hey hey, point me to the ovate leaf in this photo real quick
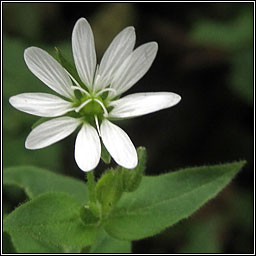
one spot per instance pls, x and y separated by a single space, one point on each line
36 181
162 201
47 224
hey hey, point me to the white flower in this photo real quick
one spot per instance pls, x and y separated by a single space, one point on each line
98 100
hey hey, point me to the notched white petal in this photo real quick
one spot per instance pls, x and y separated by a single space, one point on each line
49 71
87 148
118 144
134 67
143 103
119 49
40 104
84 51
51 131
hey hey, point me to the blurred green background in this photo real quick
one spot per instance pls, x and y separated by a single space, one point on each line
205 55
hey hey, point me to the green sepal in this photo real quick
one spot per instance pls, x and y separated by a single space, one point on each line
67 65
105 156
132 178
109 189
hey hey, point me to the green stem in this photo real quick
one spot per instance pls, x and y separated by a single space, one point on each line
91 186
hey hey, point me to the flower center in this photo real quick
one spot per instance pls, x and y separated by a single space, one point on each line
89 104
90 107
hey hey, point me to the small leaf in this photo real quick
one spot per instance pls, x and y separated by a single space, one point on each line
47 224
162 201
132 178
109 189
107 244
36 181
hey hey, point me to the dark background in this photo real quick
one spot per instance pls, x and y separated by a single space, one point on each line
205 55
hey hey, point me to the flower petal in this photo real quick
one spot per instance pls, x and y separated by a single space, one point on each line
84 51
50 132
49 71
118 144
119 49
87 148
138 104
40 104
134 67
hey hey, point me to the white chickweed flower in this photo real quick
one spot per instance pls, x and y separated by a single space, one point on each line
96 99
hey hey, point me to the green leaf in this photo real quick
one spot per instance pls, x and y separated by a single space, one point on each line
47 224
132 178
162 201
36 181
107 244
